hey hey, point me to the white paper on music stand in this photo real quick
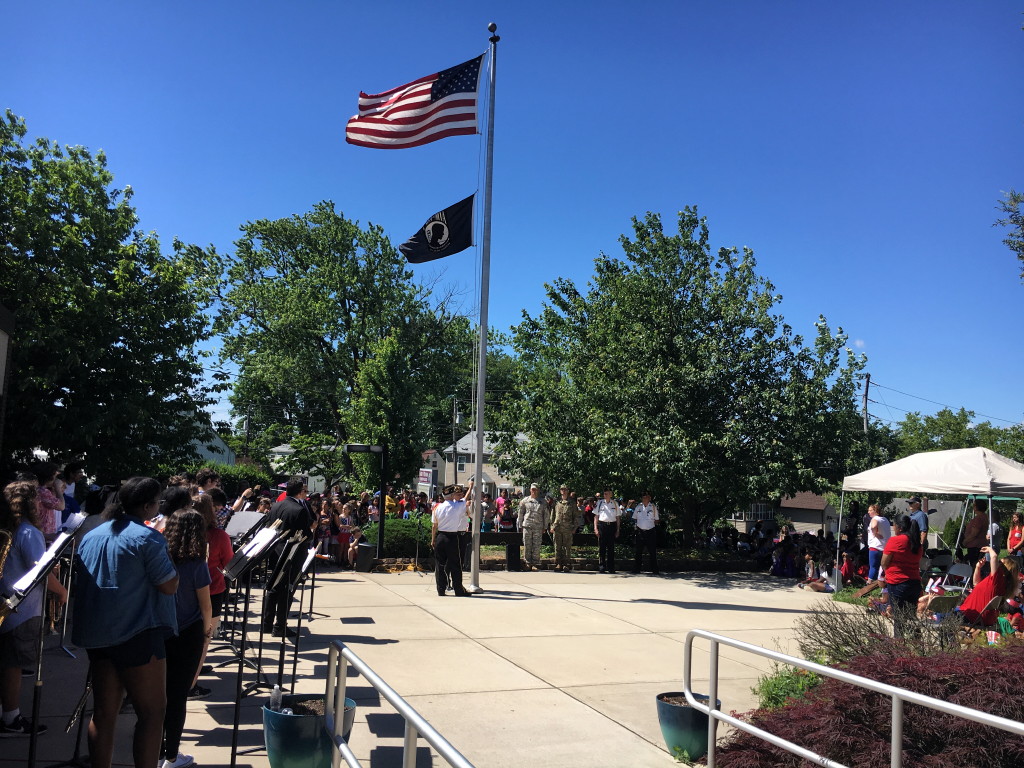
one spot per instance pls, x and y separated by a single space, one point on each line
74 522
309 558
260 541
45 562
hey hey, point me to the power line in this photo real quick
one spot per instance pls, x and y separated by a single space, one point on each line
936 402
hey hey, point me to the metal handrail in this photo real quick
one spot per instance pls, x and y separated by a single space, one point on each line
340 656
898 695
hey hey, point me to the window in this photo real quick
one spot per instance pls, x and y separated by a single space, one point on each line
758 511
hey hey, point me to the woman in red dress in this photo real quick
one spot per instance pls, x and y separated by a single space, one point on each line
1002 581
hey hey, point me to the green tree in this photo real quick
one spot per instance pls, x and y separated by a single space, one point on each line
672 371
104 361
311 301
948 430
1013 219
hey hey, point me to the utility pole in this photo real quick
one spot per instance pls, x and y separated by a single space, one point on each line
867 385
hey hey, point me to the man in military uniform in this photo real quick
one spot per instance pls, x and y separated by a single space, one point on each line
533 521
563 526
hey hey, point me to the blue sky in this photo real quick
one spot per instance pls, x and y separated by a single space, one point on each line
859 148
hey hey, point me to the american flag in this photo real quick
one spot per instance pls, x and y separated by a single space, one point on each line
425 110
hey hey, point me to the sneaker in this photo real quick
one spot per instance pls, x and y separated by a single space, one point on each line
197 692
20 727
179 762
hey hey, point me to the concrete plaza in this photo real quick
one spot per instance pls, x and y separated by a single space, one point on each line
542 669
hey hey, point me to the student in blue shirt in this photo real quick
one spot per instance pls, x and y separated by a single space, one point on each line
125 612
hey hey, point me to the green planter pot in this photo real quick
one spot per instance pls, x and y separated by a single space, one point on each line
299 741
684 728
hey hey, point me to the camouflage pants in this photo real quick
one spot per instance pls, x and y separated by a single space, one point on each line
531 545
563 545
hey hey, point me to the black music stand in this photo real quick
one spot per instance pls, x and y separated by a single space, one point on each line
35 579
77 761
312 589
241 565
291 567
310 558
241 528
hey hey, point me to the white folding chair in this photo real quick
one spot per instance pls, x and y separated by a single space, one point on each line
957 578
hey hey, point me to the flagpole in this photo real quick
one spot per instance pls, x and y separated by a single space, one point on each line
485 281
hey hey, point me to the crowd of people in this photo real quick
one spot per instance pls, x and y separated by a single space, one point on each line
149 583
888 554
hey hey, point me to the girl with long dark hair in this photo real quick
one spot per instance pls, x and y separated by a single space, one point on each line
901 564
126 585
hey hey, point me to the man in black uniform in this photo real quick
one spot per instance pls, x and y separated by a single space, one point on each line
296 517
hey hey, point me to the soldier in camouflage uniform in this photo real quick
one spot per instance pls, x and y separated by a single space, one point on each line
563 525
533 521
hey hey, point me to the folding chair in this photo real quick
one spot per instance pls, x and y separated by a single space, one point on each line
957 578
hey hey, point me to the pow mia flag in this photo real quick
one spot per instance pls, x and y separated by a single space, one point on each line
445 233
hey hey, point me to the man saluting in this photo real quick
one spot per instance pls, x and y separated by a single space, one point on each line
446 521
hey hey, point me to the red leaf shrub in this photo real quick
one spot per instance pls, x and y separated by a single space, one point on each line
853 726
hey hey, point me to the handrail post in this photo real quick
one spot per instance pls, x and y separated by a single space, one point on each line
712 703
896 746
409 748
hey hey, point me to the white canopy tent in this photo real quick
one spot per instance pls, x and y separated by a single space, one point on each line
977 471
961 472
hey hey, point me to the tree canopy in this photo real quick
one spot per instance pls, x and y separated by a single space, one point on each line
1013 220
673 371
104 362
336 343
948 429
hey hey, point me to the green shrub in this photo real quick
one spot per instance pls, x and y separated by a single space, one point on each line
784 683
400 536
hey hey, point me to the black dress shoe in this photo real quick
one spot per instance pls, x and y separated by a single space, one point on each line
284 632
463 593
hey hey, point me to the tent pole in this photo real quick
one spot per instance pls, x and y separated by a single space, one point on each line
836 575
991 542
960 533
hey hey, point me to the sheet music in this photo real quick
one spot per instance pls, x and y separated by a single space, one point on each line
260 541
74 522
45 563
309 558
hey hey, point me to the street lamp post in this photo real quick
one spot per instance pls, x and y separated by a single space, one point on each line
382 507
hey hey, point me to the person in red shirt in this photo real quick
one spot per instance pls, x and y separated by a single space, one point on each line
901 562
1002 581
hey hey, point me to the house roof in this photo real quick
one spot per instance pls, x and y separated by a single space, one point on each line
805 500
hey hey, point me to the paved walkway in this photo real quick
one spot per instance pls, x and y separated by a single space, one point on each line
543 669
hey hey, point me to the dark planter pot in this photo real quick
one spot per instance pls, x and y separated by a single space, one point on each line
684 729
299 741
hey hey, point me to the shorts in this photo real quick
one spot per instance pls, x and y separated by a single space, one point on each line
136 651
217 601
19 647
